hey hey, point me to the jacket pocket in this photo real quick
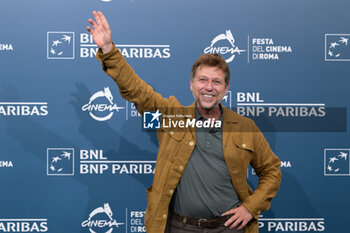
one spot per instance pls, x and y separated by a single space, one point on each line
245 145
175 134
245 152
170 142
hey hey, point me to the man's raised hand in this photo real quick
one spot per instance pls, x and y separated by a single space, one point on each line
101 32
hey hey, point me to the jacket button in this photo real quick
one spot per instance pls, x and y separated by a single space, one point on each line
171 132
171 191
191 143
244 145
181 168
164 216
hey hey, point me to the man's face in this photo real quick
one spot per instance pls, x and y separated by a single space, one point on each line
208 86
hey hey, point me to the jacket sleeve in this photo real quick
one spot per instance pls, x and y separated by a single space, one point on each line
267 166
131 87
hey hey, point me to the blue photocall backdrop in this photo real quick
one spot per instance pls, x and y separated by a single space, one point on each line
74 156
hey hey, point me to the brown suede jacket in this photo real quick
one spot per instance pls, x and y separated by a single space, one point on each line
243 144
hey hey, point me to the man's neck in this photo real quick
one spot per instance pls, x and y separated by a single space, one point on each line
210 113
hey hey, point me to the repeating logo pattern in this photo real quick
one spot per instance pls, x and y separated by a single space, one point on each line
60 161
60 45
98 109
6 47
336 162
100 220
337 47
224 44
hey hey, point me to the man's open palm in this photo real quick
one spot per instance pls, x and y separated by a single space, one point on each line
101 32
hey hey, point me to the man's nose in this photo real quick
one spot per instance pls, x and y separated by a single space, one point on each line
209 86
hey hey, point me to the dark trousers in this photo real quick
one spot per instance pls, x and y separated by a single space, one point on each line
175 226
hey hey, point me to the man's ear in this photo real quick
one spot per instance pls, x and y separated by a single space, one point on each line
226 88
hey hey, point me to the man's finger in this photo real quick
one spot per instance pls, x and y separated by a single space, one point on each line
98 19
93 23
243 224
231 211
104 21
230 220
94 13
236 223
90 30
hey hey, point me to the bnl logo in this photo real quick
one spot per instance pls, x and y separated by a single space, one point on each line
60 161
60 45
227 100
151 120
336 162
337 47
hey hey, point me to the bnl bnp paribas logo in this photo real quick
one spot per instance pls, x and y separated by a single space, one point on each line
24 225
60 161
101 220
337 47
336 162
60 45
101 106
224 44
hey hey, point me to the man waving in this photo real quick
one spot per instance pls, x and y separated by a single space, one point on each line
200 181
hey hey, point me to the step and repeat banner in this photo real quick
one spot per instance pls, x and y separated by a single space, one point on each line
74 155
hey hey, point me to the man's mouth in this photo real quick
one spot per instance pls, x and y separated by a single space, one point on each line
208 95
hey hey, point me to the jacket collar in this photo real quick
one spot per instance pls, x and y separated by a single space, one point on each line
229 115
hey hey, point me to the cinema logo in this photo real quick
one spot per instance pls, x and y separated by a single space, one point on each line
136 219
23 109
101 106
292 224
6 47
267 49
23 225
101 220
95 162
6 164
224 44
88 49
285 164
258 48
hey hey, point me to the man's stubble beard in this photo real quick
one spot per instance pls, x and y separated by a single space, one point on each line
216 104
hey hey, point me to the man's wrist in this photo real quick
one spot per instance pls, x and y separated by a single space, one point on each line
107 48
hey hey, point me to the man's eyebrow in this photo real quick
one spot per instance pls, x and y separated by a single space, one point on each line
203 76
